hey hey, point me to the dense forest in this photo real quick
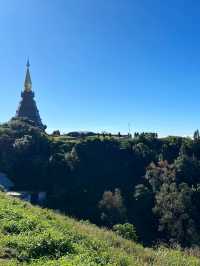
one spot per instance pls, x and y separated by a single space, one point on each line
152 183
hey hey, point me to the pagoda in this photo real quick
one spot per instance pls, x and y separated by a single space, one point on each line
27 107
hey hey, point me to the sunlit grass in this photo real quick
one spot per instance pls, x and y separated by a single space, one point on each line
34 236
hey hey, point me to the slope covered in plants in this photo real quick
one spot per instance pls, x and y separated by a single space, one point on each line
33 236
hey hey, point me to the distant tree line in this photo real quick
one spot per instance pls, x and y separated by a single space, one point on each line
149 182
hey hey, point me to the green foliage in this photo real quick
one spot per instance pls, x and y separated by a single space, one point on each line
61 241
176 213
112 207
126 230
160 173
17 227
46 244
80 173
187 169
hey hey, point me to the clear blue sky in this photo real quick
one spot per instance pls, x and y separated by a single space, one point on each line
101 64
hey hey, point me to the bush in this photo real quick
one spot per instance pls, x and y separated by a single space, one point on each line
41 245
17 227
126 231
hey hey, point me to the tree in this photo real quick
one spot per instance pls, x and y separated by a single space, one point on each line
187 170
140 213
160 173
112 208
175 210
171 148
143 153
196 135
56 133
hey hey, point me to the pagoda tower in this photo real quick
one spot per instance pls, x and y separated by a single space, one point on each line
27 107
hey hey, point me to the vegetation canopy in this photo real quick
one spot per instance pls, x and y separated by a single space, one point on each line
33 236
148 182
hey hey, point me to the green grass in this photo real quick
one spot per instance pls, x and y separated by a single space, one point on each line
34 236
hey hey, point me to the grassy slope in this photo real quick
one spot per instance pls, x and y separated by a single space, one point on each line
34 236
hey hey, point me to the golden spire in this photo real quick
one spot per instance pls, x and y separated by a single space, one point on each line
27 82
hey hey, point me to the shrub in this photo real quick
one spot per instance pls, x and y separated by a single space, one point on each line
17 227
126 231
40 246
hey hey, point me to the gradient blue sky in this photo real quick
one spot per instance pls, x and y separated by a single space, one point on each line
101 64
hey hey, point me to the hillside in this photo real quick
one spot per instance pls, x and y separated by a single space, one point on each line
33 236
